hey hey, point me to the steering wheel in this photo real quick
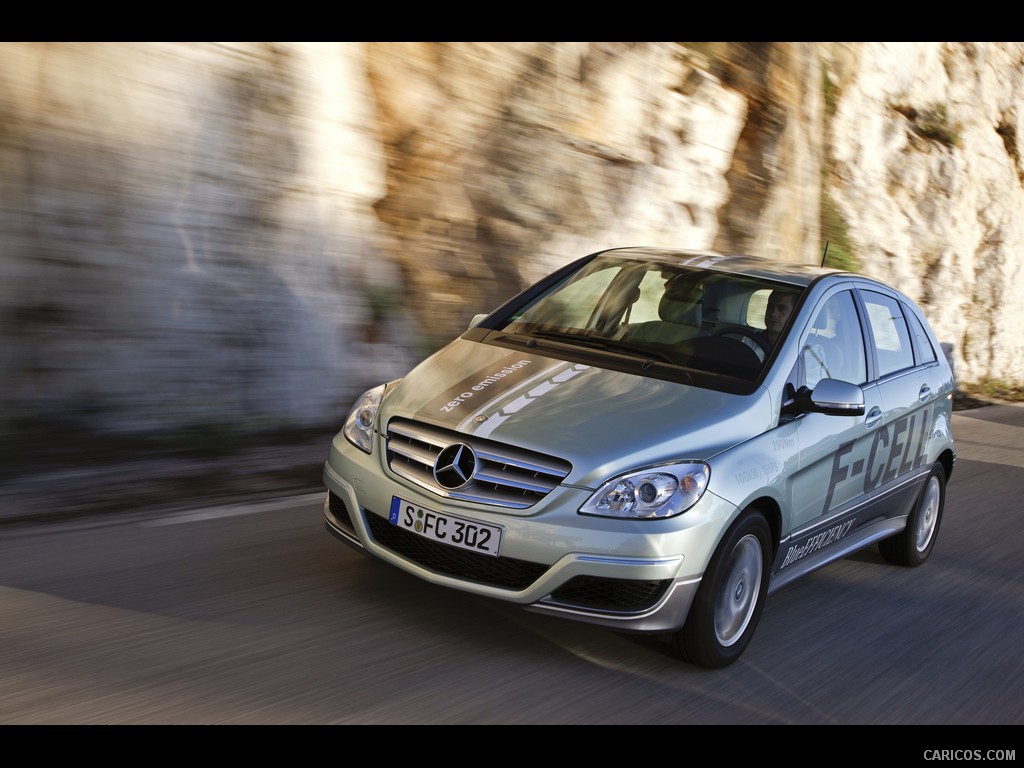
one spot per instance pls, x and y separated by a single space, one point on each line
742 330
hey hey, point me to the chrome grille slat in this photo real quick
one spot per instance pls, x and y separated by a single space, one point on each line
494 496
415 453
506 479
506 476
519 462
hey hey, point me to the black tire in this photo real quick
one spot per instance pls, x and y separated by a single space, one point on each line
912 546
731 596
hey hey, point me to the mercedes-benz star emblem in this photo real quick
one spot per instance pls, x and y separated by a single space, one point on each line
455 466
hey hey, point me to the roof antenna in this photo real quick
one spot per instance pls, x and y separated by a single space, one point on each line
824 254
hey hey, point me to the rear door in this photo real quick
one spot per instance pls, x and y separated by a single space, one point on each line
897 457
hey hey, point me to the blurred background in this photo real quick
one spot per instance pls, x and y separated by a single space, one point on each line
206 246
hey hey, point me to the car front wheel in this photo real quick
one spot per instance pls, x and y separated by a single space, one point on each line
730 599
912 546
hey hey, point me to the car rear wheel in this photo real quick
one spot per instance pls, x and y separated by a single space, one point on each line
912 546
730 599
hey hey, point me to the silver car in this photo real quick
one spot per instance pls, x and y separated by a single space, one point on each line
654 441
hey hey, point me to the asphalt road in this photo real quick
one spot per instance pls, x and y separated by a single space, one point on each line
254 614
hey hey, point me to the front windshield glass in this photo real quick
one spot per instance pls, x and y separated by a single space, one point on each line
699 319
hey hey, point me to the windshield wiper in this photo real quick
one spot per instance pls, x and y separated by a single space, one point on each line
603 342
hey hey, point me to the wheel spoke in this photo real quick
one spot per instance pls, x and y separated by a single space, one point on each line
929 514
740 590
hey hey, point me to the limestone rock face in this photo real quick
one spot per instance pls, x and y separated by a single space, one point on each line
246 235
186 233
928 171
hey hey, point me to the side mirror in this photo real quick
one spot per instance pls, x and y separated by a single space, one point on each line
832 398
477 319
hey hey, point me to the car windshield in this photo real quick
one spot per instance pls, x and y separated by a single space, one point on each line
700 319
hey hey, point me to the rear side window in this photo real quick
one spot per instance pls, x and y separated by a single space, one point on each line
756 308
645 308
925 350
893 347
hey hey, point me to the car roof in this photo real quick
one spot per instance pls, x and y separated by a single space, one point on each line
738 264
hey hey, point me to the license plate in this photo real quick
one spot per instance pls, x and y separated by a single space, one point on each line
445 528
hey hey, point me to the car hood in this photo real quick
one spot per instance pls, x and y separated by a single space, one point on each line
602 421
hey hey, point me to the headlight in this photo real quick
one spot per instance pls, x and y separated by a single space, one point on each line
654 493
362 417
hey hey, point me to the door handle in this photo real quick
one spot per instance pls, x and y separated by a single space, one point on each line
873 417
925 393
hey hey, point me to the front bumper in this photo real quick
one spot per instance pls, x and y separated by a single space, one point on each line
635 575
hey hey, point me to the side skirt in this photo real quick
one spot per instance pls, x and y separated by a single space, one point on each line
848 531
864 537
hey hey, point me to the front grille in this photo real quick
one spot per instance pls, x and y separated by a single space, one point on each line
604 594
504 572
504 476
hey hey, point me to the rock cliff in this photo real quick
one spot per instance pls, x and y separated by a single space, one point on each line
242 236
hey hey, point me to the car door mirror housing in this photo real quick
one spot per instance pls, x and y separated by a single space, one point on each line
832 398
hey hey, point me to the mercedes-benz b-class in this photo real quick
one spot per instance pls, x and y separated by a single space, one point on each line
654 441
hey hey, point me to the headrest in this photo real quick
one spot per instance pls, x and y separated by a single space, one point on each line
684 287
679 312
682 300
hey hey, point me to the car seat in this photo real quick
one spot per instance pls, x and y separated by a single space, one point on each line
679 311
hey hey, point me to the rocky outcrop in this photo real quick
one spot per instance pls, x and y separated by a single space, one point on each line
239 236
926 167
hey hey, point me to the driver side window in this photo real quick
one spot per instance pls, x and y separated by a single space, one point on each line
833 347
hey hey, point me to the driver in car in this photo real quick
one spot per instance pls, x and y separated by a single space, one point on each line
776 313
